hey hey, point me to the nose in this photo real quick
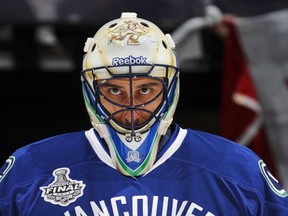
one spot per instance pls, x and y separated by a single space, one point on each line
132 116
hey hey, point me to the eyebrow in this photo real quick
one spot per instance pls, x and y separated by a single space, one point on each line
143 85
107 84
150 84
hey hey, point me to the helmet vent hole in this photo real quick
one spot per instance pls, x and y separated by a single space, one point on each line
112 25
144 24
164 44
93 47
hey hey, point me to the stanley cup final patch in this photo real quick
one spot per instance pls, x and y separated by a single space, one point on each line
63 190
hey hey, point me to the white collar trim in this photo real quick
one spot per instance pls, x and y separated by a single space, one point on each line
98 148
102 154
171 150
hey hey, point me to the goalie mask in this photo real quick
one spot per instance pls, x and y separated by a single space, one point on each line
131 86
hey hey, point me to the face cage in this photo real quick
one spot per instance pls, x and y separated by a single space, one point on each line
156 115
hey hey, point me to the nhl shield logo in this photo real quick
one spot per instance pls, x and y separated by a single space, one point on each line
63 190
133 156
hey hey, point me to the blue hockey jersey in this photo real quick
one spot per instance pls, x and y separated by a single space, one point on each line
196 173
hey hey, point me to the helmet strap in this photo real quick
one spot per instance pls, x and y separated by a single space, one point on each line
101 129
164 125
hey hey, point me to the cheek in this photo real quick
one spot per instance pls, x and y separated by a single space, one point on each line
153 106
108 106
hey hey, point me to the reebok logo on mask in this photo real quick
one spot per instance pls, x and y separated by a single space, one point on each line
130 60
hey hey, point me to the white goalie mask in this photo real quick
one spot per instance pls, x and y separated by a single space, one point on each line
130 83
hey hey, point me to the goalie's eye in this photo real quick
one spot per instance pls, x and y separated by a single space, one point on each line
145 91
115 91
